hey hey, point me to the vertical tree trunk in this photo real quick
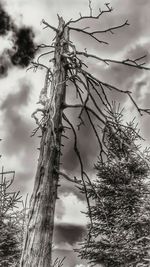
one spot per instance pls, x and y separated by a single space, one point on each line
37 251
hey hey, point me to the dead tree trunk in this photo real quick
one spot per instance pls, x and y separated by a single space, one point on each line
37 250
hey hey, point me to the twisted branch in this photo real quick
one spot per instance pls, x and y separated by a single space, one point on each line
101 12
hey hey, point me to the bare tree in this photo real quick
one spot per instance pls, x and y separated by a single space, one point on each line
66 66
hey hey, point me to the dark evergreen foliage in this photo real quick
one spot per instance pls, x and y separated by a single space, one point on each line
9 246
120 213
10 222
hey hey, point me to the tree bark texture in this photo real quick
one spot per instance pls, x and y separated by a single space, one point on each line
37 251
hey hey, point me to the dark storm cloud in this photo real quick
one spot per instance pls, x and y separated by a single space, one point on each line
68 233
6 23
17 128
24 48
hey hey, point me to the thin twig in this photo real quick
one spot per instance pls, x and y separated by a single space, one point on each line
47 25
88 33
90 8
75 180
101 12
44 54
86 107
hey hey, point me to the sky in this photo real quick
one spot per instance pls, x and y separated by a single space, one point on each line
19 92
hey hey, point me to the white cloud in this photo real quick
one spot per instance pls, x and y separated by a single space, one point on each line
72 210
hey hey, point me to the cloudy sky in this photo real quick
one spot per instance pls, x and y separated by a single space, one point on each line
19 91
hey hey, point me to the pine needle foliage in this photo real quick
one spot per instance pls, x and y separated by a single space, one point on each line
120 212
10 231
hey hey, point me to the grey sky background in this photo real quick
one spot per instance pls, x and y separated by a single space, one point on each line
19 91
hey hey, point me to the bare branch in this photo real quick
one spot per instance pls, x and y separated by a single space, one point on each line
7 172
140 110
94 129
37 65
133 101
101 12
92 34
75 180
87 108
44 54
90 7
45 46
92 79
106 104
49 26
127 62
98 83
112 28
88 33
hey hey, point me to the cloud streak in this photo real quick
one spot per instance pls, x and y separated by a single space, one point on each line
16 127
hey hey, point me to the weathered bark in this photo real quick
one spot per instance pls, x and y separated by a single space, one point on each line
37 250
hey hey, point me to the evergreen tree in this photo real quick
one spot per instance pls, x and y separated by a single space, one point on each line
9 247
10 225
120 212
